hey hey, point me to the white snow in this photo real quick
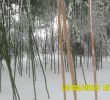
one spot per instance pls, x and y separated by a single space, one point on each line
54 82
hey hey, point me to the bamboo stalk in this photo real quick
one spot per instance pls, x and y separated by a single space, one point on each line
69 54
61 48
30 34
93 47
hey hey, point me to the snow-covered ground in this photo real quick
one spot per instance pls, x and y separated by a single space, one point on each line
54 82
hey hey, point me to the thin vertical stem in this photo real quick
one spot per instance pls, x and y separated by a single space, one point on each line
61 48
93 47
69 53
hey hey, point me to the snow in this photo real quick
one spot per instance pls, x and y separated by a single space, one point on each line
54 82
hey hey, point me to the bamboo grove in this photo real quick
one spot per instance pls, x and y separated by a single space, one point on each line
76 35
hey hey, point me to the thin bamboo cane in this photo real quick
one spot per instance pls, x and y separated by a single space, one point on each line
81 15
69 54
30 34
36 46
58 56
93 47
61 48
46 50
